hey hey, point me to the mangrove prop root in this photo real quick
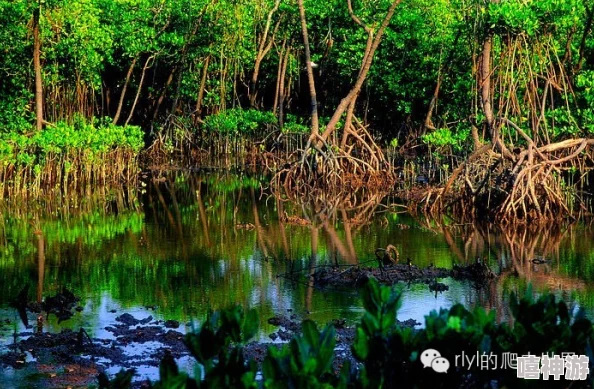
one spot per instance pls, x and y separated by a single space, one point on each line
321 165
526 186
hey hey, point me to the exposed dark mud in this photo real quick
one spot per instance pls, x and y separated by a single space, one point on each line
73 359
52 355
356 276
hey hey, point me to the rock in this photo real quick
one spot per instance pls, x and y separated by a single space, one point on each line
338 323
171 324
130 320
275 321
438 287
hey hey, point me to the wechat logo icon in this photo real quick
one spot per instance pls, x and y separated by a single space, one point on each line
433 359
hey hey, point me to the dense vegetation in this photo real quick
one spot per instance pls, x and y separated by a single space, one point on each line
147 62
450 75
386 354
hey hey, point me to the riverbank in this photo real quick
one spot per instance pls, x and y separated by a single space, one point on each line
74 359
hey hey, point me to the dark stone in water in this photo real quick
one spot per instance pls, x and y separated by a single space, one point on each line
285 335
61 304
172 324
283 321
438 287
130 320
275 321
338 323
411 323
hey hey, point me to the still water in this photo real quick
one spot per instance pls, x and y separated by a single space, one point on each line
183 243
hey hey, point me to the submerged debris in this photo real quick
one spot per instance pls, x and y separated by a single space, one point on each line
356 275
436 287
69 350
130 320
61 305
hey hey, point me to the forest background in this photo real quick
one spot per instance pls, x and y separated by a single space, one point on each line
84 83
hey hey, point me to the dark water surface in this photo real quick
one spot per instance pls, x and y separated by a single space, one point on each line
188 243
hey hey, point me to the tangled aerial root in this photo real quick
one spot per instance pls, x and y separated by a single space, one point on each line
525 186
357 163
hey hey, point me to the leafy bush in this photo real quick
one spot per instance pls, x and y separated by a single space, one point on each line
389 355
293 124
446 137
305 363
63 138
68 156
237 121
217 346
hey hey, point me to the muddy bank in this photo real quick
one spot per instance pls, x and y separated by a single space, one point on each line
356 276
74 359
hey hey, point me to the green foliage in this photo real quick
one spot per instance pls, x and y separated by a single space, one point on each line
390 355
542 326
171 378
217 346
562 123
294 124
88 48
374 336
240 122
585 84
446 137
92 139
305 363
68 155
532 18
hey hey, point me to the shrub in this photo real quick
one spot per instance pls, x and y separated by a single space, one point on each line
389 355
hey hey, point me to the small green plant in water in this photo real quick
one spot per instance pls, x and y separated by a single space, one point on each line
218 347
306 362
390 355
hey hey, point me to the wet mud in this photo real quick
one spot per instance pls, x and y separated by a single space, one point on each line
356 276
74 359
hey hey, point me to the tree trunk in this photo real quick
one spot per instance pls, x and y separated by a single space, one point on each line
37 66
486 84
282 92
428 121
315 127
202 86
146 66
281 56
162 96
123 94
365 66
263 49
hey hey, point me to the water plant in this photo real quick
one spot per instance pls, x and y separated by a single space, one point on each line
387 354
